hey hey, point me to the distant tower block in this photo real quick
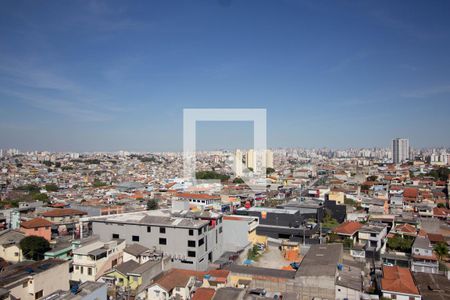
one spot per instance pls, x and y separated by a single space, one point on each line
238 163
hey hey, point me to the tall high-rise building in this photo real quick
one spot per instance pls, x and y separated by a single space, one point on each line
250 159
238 163
269 159
400 150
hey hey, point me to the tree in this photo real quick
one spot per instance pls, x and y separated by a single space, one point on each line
253 253
34 247
152 204
238 180
441 205
40 197
98 183
372 178
399 243
270 170
441 250
51 187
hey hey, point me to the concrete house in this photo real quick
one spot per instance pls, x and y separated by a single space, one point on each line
423 257
9 245
35 280
93 260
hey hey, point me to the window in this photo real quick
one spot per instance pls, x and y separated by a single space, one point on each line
162 230
89 271
162 241
201 241
200 231
36 229
220 229
191 253
81 270
191 243
191 232
25 284
39 294
16 253
149 229
135 238
115 235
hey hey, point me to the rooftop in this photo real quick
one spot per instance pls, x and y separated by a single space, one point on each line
36 223
261 271
399 280
24 269
160 217
433 286
321 260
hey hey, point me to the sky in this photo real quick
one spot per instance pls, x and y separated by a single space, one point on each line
116 75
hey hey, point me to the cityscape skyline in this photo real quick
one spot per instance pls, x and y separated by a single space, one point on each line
366 73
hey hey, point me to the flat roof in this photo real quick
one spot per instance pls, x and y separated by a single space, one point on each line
321 260
152 218
261 271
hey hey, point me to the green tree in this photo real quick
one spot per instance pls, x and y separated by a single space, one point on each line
51 187
152 204
98 183
270 170
441 250
253 253
441 205
238 180
40 197
372 178
399 243
34 247
211 175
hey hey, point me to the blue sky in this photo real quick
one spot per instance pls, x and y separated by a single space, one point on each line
111 75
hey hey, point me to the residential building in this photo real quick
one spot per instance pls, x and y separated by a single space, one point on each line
134 278
432 286
348 230
176 284
91 261
37 227
398 283
238 163
316 276
35 280
371 238
192 240
88 290
65 219
9 245
423 257
400 150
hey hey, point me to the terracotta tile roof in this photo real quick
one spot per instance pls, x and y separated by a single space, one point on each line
204 294
424 257
174 278
62 212
435 237
178 277
410 192
405 228
36 223
348 228
399 280
441 212
197 196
